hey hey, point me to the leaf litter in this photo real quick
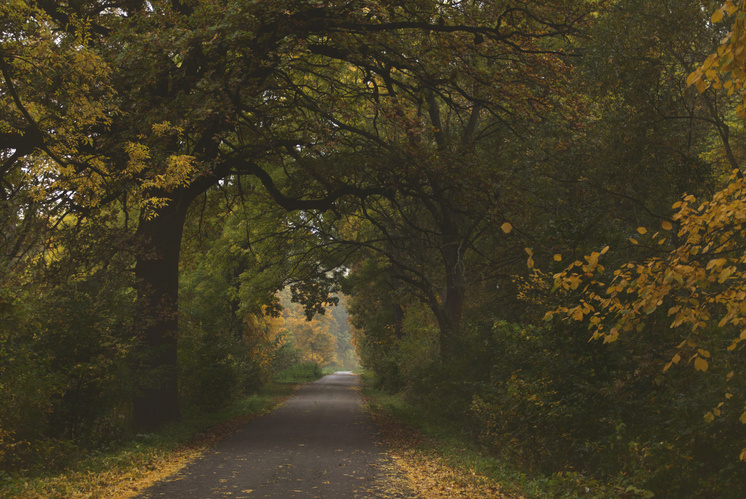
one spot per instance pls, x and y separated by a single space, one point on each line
415 470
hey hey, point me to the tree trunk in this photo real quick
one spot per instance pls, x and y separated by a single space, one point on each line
448 314
155 401
451 307
396 252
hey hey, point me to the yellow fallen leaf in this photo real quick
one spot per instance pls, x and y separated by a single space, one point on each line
701 364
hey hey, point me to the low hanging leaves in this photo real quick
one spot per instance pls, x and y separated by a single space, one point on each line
726 68
700 282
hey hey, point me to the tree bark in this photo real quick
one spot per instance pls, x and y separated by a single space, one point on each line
451 307
155 400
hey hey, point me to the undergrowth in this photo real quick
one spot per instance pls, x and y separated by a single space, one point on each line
453 444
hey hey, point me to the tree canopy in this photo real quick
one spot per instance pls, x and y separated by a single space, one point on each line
482 186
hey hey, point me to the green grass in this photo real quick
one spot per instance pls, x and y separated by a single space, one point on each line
119 470
453 442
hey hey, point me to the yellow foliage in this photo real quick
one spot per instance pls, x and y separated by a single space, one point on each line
701 281
700 364
705 290
40 65
727 67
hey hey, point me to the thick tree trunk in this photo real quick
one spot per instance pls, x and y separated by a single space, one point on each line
448 313
156 322
451 306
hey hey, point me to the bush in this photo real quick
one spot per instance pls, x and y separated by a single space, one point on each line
65 365
299 373
554 402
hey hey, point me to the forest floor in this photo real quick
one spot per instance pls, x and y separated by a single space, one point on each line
422 466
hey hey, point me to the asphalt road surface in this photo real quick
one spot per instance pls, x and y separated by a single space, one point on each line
318 444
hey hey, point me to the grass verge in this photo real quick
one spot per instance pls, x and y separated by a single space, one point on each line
125 471
441 460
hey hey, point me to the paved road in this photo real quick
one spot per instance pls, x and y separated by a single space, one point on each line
319 444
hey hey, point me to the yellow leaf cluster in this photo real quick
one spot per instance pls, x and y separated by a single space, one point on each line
701 282
726 68
706 290
45 66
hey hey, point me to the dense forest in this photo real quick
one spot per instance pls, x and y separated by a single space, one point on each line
532 212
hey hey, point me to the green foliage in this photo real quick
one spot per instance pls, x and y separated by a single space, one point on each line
65 362
372 316
573 413
453 441
440 178
214 370
299 373
555 402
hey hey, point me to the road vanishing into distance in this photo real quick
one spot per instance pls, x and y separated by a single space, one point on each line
321 443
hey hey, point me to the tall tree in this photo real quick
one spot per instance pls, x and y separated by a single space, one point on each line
207 90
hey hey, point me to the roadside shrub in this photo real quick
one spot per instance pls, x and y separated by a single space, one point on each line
299 373
210 368
64 360
556 403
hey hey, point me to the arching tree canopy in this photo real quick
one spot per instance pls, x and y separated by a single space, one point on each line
180 162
